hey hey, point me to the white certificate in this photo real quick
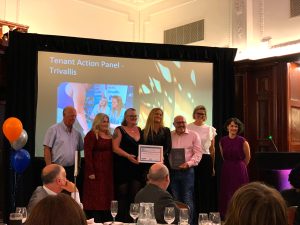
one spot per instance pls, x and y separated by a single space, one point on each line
150 154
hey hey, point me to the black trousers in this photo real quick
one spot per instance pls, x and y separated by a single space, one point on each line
205 190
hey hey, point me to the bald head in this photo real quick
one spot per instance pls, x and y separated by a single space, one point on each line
50 172
69 116
158 172
179 124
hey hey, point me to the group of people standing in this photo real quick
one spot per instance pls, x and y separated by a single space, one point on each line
112 170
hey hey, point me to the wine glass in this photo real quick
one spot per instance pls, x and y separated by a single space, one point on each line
114 209
169 215
203 219
215 218
184 216
15 218
134 211
23 211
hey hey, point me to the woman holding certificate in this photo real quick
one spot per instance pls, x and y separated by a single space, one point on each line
155 133
128 173
98 177
204 172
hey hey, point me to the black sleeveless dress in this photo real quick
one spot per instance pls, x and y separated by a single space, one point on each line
124 170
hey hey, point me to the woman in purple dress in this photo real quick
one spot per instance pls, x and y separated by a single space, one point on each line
235 152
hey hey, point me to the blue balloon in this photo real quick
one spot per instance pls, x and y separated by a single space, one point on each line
19 160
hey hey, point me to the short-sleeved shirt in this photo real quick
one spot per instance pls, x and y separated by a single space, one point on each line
206 134
63 144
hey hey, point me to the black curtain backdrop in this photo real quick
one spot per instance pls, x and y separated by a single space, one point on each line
23 80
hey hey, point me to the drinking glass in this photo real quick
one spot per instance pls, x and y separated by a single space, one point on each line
134 211
184 216
23 211
169 215
215 218
114 209
203 219
15 219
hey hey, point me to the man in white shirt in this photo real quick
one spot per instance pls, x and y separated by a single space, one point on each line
54 181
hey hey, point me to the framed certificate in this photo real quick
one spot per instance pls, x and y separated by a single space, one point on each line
150 154
176 157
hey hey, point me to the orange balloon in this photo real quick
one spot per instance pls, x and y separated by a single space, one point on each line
12 128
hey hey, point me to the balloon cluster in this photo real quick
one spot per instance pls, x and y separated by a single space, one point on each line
17 136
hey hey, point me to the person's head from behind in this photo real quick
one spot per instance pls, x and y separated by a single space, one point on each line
294 177
69 116
57 209
101 123
54 177
159 175
256 204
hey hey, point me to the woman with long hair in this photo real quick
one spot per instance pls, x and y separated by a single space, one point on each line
117 110
98 173
155 133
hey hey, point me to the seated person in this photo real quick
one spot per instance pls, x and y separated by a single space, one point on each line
54 181
256 204
57 209
292 196
155 191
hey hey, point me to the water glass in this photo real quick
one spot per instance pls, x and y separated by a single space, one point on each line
203 219
15 219
134 211
169 215
215 218
184 216
23 211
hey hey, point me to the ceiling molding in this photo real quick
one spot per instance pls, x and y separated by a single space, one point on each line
137 5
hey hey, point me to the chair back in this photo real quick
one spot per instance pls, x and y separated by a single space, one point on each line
291 212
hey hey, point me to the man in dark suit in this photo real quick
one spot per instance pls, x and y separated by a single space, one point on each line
155 191
54 181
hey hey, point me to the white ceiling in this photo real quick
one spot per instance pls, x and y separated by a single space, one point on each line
137 4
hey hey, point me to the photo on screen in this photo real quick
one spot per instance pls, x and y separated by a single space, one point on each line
92 99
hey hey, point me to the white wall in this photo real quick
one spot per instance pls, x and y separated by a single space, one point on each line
233 23
105 19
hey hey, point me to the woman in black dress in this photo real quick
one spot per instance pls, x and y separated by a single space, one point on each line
127 172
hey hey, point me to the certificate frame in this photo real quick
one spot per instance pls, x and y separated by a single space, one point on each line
150 154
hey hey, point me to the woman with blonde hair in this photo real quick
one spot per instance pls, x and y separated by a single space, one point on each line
117 110
205 191
98 173
256 204
155 133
